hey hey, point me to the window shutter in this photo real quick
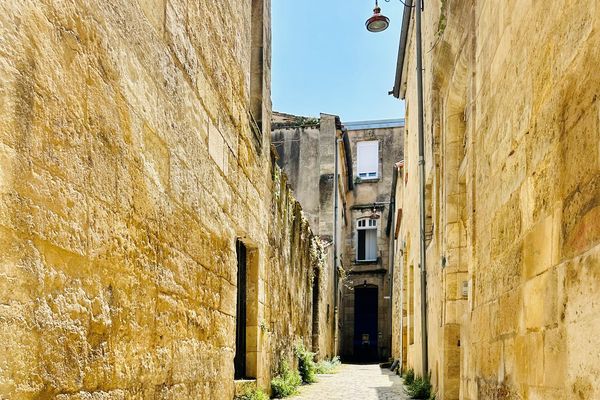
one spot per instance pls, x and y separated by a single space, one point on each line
367 154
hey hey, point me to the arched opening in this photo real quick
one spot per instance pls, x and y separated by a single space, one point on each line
366 240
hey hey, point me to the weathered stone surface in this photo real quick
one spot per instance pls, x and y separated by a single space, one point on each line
128 169
366 382
515 83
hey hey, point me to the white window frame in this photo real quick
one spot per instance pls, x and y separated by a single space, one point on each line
366 224
368 171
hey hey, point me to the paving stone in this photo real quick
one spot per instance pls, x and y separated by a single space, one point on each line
364 382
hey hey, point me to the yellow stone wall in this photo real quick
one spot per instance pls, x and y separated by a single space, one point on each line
513 186
398 290
128 169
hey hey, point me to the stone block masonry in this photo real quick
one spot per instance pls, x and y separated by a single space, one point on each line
129 169
512 128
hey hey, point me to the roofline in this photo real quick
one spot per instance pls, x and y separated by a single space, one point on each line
374 124
408 6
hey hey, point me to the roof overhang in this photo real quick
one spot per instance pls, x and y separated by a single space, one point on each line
399 90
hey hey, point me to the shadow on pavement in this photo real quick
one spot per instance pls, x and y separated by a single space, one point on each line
394 392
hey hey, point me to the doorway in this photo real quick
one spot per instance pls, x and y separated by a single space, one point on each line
240 326
365 324
315 311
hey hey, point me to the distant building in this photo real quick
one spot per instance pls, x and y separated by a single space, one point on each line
357 223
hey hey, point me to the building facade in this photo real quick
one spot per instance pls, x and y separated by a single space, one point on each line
376 147
512 141
365 154
149 245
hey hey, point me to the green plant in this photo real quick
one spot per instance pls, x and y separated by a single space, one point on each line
409 376
328 366
306 364
286 383
443 20
254 394
420 388
263 326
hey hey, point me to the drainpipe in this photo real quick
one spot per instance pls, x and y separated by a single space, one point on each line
421 135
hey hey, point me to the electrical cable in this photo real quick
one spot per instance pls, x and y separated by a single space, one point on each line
402 1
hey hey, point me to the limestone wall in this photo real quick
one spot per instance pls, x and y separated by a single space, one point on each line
513 160
297 141
128 170
295 259
398 290
306 152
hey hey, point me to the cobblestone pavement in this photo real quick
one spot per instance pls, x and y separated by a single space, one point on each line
355 382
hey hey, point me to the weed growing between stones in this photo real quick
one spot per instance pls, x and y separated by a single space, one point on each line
419 388
328 366
254 394
286 383
409 376
306 364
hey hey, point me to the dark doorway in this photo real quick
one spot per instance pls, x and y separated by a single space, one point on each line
315 312
240 328
365 324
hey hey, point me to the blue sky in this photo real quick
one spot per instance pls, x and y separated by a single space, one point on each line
324 60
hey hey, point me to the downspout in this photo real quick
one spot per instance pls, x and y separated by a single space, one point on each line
421 138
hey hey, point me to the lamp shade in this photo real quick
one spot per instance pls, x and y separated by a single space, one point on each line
378 22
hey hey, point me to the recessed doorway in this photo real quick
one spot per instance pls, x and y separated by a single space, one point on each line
365 324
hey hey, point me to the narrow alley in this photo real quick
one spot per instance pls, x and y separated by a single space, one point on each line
226 200
364 382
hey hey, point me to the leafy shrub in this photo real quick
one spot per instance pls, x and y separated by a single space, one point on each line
255 394
306 364
328 366
420 388
409 376
286 383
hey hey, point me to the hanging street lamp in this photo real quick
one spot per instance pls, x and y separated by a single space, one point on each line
378 22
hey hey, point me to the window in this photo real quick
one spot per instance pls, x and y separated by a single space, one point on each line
240 326
245 361
366 233
257 72
367 159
